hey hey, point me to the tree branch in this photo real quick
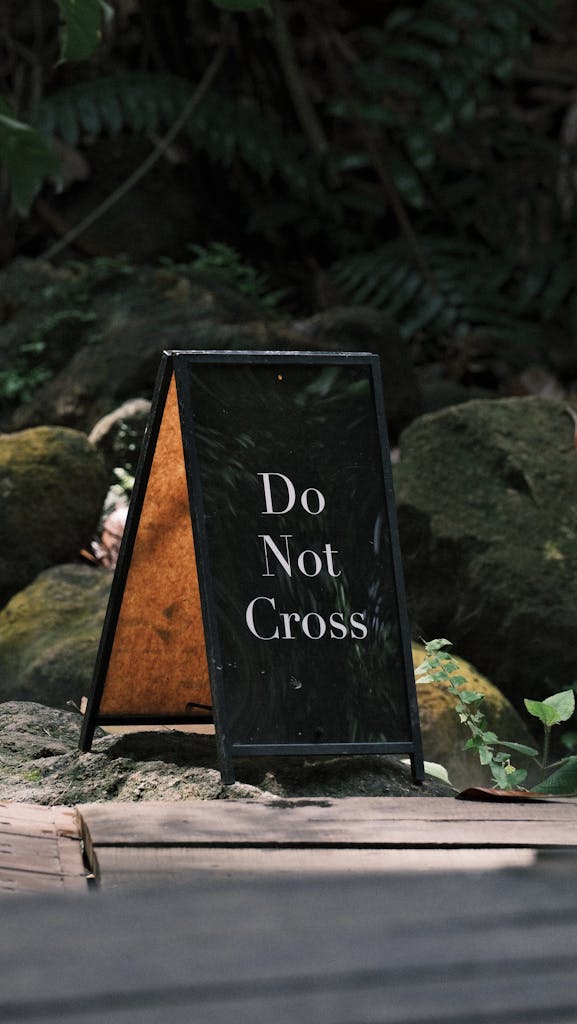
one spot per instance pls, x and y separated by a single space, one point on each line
164 143
305 111
379 163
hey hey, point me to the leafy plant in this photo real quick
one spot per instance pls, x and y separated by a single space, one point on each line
240 5
81 28
414 155
20 381
557 708
226 263
27 157
494 753
25 152
438 65
451 303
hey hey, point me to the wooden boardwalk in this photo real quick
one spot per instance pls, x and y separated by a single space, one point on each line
130 845
150 842
40 850
360 911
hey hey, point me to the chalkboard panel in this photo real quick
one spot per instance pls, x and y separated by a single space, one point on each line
296 552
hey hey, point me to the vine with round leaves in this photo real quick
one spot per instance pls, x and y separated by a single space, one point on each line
558 777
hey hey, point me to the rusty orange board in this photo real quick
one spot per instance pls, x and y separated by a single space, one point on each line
160 616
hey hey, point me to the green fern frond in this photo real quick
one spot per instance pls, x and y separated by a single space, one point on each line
430 71
467 294
221 127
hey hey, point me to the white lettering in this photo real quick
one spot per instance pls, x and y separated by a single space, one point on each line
320 501
322 626
330 564
250 618
287 618
291 494
338 628
358 624
311 499
316 563
283 560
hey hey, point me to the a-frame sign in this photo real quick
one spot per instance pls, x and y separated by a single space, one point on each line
259 582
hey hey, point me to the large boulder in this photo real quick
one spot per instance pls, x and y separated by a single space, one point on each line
97 332
362 329
89 337
52 487
486 496
49 636
40 763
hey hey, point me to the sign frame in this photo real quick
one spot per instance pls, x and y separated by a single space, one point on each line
173 366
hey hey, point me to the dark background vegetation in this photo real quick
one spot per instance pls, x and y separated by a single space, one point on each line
419 158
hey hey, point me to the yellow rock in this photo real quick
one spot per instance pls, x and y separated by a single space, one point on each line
444 736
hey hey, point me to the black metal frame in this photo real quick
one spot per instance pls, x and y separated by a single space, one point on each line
176 362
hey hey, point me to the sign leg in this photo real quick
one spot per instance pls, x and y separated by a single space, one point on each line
417 768
225 762
87 733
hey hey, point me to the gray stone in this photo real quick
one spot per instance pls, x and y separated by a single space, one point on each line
118 436
362 329
123 318
486 496
102 347
52 486
49 635
40 763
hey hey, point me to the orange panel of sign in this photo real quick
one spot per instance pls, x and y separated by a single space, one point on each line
158 656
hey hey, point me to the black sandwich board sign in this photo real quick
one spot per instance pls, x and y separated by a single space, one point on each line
259 582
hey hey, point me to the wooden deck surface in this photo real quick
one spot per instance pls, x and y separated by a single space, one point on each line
41 848
298 912
150 842
492 948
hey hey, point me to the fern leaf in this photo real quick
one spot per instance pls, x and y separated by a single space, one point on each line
220 128
388 280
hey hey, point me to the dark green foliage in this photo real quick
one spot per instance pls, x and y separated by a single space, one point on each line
484 257
26 156
81 29
415 153
224 130
221 260
428 74
466 291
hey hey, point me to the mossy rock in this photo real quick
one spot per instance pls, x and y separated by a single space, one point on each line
49 636
363 329
443 735
486 495
104 342
52 487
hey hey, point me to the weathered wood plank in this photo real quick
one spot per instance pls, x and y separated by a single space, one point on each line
23 882
307 1001
40 849
33 819
123 866
465 949
47 855
355 822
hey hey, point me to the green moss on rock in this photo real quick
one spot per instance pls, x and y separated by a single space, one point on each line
52 487
49 636
486 496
